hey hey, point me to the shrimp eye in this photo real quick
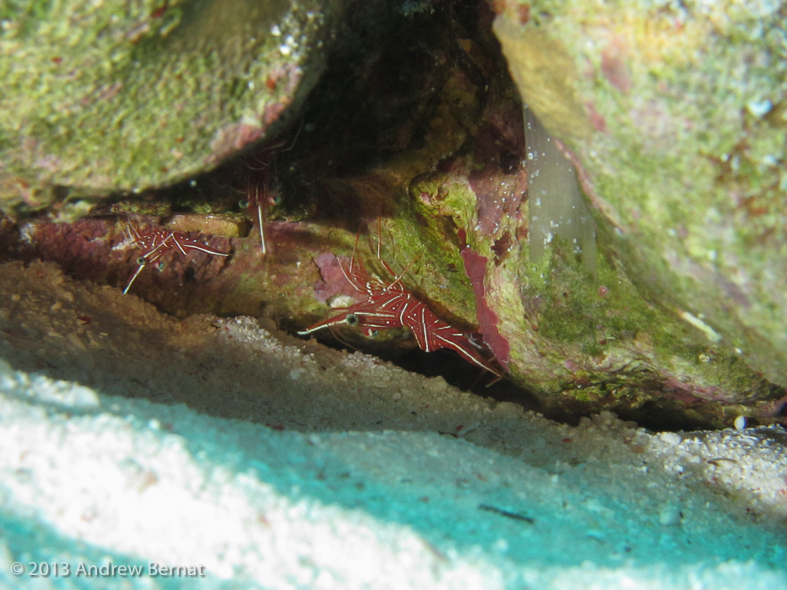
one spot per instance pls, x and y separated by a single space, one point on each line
243 204
351 319
372 334
161 266
141 261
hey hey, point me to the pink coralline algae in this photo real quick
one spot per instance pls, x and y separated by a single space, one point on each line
333 280
500 185
475 268
232 138
499 195
614 68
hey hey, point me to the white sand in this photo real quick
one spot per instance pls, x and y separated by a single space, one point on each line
295 466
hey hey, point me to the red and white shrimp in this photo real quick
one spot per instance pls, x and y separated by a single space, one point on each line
259 183
392 306
258 189
155 244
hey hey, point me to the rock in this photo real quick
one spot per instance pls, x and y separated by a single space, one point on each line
120 96
414 158
675 119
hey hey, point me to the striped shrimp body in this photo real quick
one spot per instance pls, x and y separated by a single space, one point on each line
155 244
259 183
391 306
258 192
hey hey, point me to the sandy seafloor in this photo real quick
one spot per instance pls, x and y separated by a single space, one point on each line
130 438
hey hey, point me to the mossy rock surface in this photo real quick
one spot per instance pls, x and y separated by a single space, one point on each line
415 138
676 116
123 96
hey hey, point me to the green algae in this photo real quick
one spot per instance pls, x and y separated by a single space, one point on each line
687 155
591 337
123 96
612 338
576 337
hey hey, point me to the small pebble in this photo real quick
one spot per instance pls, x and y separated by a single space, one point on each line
669 516
670 438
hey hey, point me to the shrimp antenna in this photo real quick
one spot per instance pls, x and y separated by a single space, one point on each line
397 277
